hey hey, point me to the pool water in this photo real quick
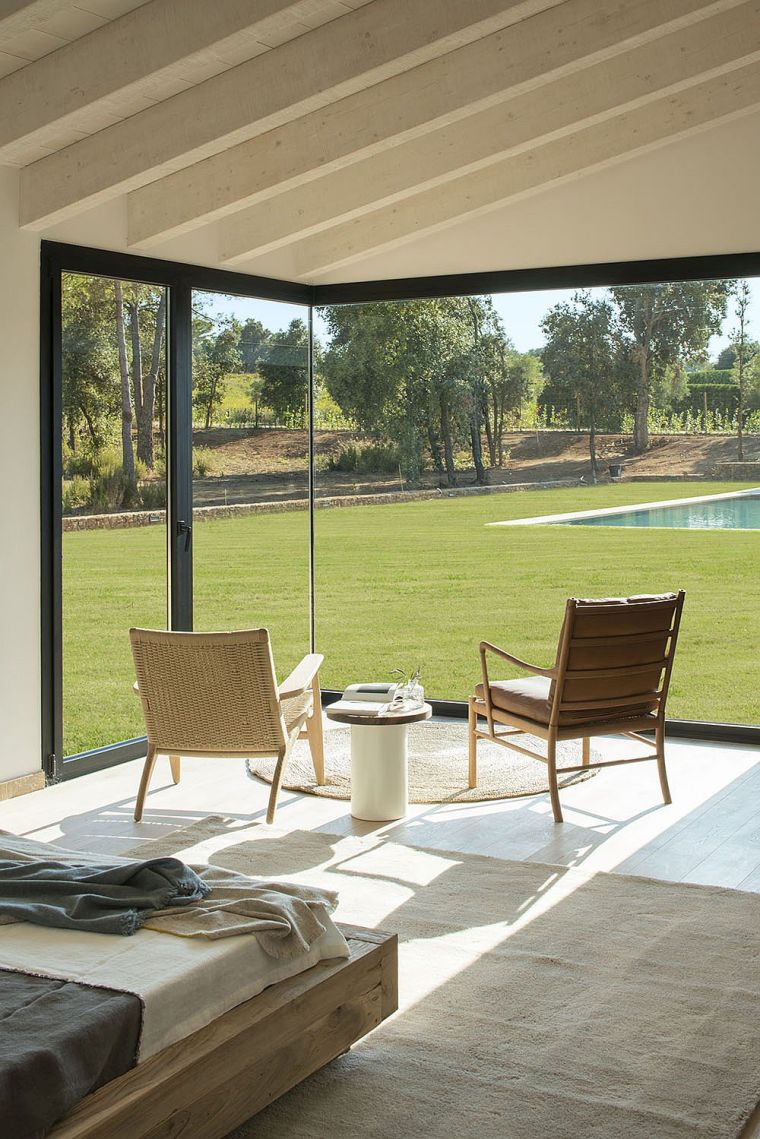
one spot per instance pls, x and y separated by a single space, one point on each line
732 512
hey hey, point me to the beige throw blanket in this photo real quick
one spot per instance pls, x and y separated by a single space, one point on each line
286 918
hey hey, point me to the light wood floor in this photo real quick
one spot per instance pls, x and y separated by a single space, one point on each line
615 821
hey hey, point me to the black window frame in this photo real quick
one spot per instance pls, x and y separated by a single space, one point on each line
181 279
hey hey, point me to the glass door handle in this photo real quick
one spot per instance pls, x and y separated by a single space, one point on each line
186 529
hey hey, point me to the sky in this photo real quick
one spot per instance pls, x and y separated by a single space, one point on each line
521 312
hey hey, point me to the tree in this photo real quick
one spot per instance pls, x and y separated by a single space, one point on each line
480 314
418 372
254 338
89 361
664 325
744 351
438 360
581 360
284 371
752 378
365 372
127 452
726 358
216 356
511 378
146 307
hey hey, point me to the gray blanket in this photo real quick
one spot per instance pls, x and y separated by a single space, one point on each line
109 898
59 1042
285 917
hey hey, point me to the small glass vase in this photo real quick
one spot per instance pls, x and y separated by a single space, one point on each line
413 694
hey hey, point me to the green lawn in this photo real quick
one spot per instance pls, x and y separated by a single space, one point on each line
415 583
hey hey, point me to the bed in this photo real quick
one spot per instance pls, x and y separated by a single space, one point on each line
207 1084
156 1035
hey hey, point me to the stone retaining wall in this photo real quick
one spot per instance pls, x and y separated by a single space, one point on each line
738 472
156 517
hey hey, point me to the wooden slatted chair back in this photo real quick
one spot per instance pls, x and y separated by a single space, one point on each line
615 658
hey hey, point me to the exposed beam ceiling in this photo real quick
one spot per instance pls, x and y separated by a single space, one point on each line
324 139
171 43
722 43
554 43
633 132
365 46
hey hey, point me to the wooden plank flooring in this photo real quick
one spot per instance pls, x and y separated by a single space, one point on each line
614 821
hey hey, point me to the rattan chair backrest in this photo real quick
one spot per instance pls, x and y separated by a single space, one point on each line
208 692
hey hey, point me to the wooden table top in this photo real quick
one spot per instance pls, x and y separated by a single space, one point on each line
340 712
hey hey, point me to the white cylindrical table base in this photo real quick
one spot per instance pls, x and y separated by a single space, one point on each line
378 757
379 788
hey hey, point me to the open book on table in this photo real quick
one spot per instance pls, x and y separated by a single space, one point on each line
370 693
374 700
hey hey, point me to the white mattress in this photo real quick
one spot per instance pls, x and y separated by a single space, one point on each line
184 983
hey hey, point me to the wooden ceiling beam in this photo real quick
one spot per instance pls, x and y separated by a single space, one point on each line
594 148
553 43
160 43
715 46
362 47
18 16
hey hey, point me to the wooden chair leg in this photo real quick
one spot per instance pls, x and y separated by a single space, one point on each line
472 723
586 751
174 764
150 763
315 734
551 767
659 736
276 784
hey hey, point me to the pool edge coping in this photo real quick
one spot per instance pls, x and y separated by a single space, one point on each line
602 512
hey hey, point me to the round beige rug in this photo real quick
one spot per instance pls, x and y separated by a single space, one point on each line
437 766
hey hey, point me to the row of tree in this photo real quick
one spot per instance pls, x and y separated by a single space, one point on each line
114 366
113 337
277 363
435 378
611 355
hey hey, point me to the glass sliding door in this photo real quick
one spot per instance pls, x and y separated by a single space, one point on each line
442 425
251 469
113 498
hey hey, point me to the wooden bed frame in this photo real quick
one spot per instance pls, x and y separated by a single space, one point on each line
210 1083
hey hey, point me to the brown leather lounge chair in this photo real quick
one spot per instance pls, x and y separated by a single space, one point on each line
611 675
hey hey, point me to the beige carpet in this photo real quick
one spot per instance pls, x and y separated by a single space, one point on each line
536 1002
437 766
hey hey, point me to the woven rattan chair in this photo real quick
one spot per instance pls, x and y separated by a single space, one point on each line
611 675
215 694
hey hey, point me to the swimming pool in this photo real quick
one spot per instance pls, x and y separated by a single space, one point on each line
739 510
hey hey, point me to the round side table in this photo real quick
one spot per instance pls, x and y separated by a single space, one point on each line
379 760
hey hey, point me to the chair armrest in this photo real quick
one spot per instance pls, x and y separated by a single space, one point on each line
301 677
486 646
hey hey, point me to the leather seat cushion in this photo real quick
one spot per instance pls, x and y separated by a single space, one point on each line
529 698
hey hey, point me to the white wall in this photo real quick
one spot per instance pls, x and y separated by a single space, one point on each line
19 488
